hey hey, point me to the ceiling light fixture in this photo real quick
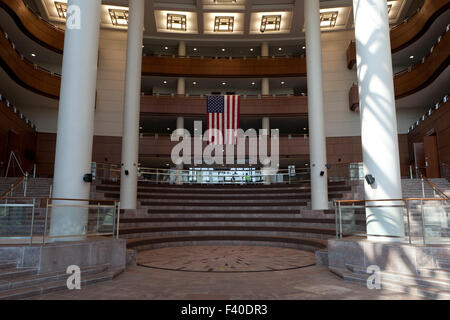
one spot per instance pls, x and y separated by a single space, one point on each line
223 24
328 19
119 17
33 55
270 23
176 22
61 8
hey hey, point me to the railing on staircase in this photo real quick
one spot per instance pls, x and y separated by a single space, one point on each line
22 181
249 175
426 220
436 191
27 220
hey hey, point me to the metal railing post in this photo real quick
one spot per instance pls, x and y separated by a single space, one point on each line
25 185
45 222
118 220
423 222
407 203
340 220
336 219
32 222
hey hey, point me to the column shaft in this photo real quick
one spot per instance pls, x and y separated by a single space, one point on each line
130 138
76 116
317 140
265 87
180 125
378 117
264 49
181 86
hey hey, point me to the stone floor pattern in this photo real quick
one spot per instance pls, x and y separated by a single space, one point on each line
225 259
211 279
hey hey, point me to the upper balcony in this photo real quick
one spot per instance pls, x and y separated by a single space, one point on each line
410 30
214 67
418 76
25 73
250 105
33 26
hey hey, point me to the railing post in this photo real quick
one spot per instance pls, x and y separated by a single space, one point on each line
340 220
336 219
32 222
407 203
45 222
423 220
118 220
25 185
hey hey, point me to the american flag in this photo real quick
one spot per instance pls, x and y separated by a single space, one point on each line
222 113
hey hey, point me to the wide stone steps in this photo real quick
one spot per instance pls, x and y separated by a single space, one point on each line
289 242
304 232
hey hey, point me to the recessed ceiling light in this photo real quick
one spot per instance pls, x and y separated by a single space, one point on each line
176 22
195 49
167 48
194 83
33 55
224 83
164 81
270 23
411 57
253 83
328 19
304 47
223 49
119 17
282 82
251 49
223 24
168 129
279 49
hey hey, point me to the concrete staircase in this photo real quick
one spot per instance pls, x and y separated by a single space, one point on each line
21 283
412 188
36 187
174 215
431 283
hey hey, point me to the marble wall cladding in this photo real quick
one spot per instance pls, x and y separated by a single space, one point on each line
391 257
58 256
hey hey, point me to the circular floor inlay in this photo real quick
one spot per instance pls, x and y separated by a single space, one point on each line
225 259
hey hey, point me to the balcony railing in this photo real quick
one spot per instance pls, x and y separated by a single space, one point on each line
426 220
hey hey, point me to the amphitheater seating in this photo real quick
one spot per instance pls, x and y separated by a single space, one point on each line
274 215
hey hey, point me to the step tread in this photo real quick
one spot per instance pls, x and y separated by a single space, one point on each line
43 288
322 244
13 283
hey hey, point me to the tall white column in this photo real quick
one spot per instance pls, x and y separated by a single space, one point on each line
180 125
182 49
130 138
317 140
266 126
378 117
181 86
264 49
265 88
76 116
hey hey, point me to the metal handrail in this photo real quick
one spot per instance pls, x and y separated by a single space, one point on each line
12 188
436 188
46 203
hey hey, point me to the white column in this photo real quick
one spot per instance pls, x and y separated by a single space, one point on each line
180 125
130 138
181 86
266 126
264 49
378 118
317 140
265 88
76 116
182 49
